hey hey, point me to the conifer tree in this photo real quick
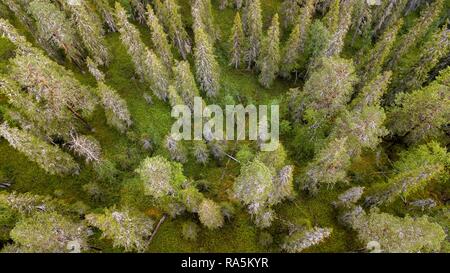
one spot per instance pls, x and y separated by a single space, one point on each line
419 116
305 19
200 151
159 39
254 32
176 149
223 4
106 13
372 92
340 30
430 54
290 9
191 197
387 14
85 146
49 232
269 59
160 177
207 68
48 157
283 185
328 167
90 31
128 229
174 97
290 53
185 83
53 26
326 92
318 42
331 19
416 32
169 16
210 214
372 65
415 169
417 234
237 42
147 64
138 11
203 18
300 241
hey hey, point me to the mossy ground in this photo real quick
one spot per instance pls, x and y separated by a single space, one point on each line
154 121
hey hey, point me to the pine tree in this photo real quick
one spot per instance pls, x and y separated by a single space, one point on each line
417 234
254 32
160 177
372 65
210 214
147 64
318 42
419 116
128 229
106 13
416 32
328 167
49 232
305 19
185 83
52 26
159 39
207 68
237 42
169 16
269 59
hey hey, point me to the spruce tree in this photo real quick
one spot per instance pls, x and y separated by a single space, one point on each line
341 29
49 232
53 26
290 9
420 115
207 68
126 228
159 39
138 11
331 19
106 13
302 240
168 14
48 157
269 59
372 65
185 83
148 66
253 31
416 32
210 214
291 53
237 42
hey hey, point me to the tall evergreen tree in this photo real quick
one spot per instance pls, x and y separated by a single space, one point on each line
147 64
331 19
290 10
269 59
210 214
159 39
53 26
185 83
237 42
168 14
207 68
106 13
48 157
340 30
138 11
419 116
253 31
416 32
126 228
290 54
